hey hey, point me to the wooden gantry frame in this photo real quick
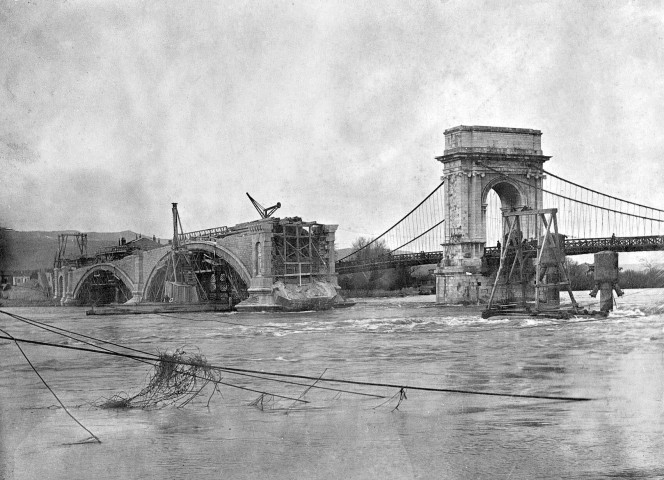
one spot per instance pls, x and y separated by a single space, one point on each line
549 254
81 242
300 250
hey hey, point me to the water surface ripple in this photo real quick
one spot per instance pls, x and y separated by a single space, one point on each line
618 361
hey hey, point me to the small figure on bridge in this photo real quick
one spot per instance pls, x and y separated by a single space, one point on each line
613 239
498 245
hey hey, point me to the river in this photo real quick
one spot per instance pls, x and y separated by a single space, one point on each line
618 362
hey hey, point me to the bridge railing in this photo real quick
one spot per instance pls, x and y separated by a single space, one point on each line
579 246
582 246
207 233
388 261
572 246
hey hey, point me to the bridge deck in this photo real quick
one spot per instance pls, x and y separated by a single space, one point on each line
583 246
573 246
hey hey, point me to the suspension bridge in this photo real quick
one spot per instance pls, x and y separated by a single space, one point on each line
488 171
589 228
488 174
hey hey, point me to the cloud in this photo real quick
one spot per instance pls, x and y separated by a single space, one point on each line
15 153
110 111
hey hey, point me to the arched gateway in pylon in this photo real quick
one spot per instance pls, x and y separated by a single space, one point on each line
476 161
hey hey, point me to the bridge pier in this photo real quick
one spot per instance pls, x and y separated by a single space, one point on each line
260 285
460 287
552 294
63 288
139 286
476 161
56 284
69 290
459 277
260 295
293 265
606 279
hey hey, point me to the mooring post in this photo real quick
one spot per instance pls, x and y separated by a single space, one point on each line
606 279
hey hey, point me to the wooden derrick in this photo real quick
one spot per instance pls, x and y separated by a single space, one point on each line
518 255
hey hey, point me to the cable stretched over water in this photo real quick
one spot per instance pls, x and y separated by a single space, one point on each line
308 377
10 337
413 387
150 361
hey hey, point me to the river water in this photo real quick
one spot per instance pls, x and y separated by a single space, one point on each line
618 362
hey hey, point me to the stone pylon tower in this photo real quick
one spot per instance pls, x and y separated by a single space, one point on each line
477 160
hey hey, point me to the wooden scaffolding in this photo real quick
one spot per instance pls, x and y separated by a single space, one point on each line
518 255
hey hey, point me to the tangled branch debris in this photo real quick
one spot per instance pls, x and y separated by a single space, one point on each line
263 402
177 379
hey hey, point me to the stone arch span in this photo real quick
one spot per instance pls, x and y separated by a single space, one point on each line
509 191
107 267
500 195
205 246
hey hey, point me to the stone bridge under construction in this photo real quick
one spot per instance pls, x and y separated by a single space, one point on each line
253 265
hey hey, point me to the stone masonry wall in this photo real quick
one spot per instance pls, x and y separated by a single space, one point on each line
151 259
241 245
498 138
127 265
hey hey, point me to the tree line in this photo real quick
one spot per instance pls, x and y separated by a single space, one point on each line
399 278
388 279
649 277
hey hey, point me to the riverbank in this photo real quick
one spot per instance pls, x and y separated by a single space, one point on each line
404 292
20 296
28 303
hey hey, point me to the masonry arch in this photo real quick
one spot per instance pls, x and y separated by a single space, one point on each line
508 190
215 267
500 195
61 285
103 283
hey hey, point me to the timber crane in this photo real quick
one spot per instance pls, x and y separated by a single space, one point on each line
262 211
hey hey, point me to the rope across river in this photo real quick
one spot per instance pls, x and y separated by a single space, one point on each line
146 356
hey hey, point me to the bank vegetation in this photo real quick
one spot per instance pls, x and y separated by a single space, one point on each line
421 280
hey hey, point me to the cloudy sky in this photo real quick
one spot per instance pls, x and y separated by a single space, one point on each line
110 110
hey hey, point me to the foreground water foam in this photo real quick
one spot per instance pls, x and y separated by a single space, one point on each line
618 361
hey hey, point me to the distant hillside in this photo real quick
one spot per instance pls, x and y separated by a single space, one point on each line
36 250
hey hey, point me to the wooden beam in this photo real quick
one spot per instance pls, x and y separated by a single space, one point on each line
531 212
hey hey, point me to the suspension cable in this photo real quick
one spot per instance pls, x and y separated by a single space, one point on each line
572 199
600 193
420 235
401 220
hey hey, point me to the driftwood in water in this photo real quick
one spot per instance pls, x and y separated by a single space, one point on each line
177 379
